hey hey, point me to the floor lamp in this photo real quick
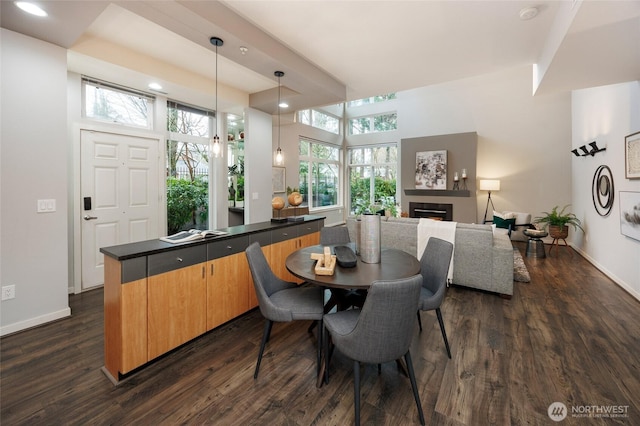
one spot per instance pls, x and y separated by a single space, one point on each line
489 185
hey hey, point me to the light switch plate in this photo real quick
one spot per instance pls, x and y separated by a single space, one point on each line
46 206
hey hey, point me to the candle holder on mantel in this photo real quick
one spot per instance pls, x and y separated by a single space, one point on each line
456 181
464 179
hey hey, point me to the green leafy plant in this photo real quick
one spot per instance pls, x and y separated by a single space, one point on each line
559 218
388 204
187 203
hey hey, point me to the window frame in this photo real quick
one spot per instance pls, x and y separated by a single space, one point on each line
372 165
311 160
150 102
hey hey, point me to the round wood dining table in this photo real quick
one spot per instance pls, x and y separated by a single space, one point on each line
394 264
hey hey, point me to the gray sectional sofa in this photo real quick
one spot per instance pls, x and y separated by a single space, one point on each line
482 259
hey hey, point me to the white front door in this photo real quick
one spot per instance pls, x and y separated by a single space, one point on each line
120 196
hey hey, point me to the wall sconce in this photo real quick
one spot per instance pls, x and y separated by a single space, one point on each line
586 151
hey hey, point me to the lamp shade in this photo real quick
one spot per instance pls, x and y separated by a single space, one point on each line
489 185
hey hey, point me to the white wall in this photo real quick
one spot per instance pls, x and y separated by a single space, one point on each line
522 140
258 156
606 114
34 165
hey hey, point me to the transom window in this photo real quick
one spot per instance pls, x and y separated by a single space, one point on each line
373 124
319 174
319 120
372 100
109 102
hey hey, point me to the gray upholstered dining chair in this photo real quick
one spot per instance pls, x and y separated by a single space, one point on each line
434 267
380 332
335 235
282 301
331 235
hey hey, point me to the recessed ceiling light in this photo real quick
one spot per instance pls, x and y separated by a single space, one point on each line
155 86
283 105
30 8
528 13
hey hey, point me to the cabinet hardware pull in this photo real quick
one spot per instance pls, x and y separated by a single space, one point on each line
179 259
211 269
229 247
203 272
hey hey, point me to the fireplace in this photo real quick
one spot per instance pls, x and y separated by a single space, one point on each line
431 211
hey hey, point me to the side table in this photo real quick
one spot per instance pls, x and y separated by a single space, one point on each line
535 245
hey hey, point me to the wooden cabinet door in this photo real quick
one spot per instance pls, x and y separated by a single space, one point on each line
228 289
177 303
279 253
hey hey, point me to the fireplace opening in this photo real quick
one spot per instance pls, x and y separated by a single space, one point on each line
431 211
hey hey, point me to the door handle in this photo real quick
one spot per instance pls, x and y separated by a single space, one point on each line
87 217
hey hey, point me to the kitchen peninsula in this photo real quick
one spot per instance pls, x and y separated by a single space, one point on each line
158 295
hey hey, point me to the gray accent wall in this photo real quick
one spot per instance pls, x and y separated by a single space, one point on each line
461 153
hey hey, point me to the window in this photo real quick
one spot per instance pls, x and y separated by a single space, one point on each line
319 120
372 176
107 102
372 100
187 167
319 174
373 123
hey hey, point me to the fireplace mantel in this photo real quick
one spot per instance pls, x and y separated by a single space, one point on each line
437 192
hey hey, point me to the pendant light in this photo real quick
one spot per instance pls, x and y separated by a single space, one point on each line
279 158
215 146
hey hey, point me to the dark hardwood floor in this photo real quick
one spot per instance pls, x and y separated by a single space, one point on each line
570 335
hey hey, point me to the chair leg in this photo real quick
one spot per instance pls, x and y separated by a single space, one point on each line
444 333
356 390
414 386
265 337
319 355
419 320
326 354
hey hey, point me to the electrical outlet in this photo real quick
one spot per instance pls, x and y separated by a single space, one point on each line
8 292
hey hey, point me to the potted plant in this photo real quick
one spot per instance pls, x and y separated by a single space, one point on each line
558 222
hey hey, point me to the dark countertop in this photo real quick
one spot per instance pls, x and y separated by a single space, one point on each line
145 248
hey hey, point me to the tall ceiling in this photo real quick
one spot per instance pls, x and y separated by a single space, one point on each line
333 51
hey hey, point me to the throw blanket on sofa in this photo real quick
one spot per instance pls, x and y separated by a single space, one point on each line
444 230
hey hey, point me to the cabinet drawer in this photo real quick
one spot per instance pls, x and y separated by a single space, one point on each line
176 259
283 234
307 228
228 247
262 238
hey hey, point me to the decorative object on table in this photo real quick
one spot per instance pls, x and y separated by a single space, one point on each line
370 238
630 214
558 224
464 180
277 203
489 185
456 179
278 179
602 190
295 199
632 156
326 262
345 257
588 151
431 170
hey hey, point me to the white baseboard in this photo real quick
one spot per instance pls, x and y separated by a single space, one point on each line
34 322
633 292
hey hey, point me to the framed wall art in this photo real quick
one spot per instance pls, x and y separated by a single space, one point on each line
431 170
278 177
632 156
630 214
